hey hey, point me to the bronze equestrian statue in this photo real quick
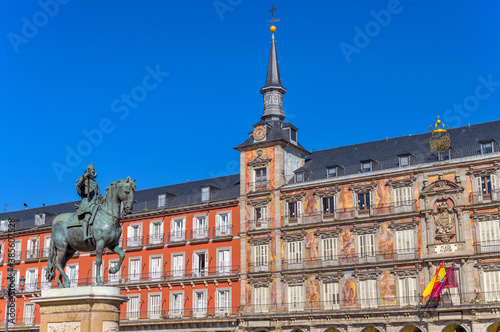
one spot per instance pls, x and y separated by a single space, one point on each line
101 219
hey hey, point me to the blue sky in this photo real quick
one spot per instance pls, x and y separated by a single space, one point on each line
163 90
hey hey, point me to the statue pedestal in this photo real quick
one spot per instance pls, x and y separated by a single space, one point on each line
80 309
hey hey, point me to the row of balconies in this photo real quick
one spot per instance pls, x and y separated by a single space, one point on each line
381 304
493 196
180 313
179 236
340 260
155 277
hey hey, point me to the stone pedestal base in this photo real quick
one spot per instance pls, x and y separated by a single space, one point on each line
80 309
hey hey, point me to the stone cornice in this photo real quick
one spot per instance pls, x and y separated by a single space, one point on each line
290 237
259 161
362 188
259 201
368 275
442 187
330 277
327 192
294 279
264 282
364 230
486 266
293 197
401 226
260 240
328 233
401 183
402 273
495 215
485 171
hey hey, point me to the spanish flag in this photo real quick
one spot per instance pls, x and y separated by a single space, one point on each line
438 277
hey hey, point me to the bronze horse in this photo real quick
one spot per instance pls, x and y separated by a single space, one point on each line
67 233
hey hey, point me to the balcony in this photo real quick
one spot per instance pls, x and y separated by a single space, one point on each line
261 223
198 233
134 242
487 246
180 313
155 240
222 231
260 267
176 238
493 196
32 254
259 186
294 264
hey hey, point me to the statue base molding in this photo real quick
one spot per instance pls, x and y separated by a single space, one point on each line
80 309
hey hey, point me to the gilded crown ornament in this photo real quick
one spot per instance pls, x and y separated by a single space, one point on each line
440 139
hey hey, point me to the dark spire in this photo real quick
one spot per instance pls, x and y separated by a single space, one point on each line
273 91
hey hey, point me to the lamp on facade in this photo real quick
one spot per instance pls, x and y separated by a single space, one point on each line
22 283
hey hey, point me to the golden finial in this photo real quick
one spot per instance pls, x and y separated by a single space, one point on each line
438 126
273 29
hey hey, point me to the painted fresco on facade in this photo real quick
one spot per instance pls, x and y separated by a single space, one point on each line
385 241
348 290
382 198
345 202
291 161
310 207
272 252
272 209
273 293
477 280
311 245
248 296
312 292
347 246
251 155
387 288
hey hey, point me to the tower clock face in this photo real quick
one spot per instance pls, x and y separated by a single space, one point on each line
259 133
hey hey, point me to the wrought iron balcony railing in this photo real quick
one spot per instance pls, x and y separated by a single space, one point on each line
487 246
260 267
481 198
179 313
222 231
176 236
134 242
259 186
261 223
199 233
155 239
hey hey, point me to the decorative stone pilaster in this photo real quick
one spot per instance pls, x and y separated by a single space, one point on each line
80 309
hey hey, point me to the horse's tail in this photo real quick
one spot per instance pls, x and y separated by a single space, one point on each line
51 266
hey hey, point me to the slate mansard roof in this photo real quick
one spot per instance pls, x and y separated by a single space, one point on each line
177 195
384 154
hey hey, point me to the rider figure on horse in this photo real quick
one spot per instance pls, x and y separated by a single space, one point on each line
88 189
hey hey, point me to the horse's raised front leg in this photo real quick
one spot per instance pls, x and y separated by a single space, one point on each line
99 248
121 254
60 263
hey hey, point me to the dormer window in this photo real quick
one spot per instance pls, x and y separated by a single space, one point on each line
404 160
366 166
331 172
444 154
40 219
162 200
487 147
293 135
299 177
205 194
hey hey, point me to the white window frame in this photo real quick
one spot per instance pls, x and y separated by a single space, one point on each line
405 244
44 283
299 210
29 313
223 300
176 307
407 291
134 269
18 244
331 295
134 306
402 199
73 277
198 270
40 219
46 245
263 221
488 234
205 194
155 272
134 239
260 257
328 173
200 226
295 297
366 247
31 285
329 250
364 168
177 234
113 279
178 267
295 253
200 299
404 160
261 299
491 285
154 237
154 309
162 201
223 223
368 296
224 260
483 145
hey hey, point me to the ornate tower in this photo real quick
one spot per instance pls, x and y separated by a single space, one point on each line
268 159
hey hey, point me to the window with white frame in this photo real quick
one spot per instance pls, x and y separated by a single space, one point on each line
199 302
260 178
331 295
32 249
366 247
223 224
200 263
72 273
44 283
155 267
295 300
17 250
299 177
488 235
162 201
133 306
260 257
224 261
29 313
294 212
368 293
2 252
366 166
223 300
205 194
405 244
486 188
295 252
154 305
4 225
178 265
134 235
178 229
331 172
134 269
407 291
443 155
402 199
31 280
200 227
329 247
113 278
261 298
404 160
176 304
156 232
40 219
46 246
261 217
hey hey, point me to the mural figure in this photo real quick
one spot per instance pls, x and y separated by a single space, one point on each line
385 244
349 292
444 219
387 287
347 246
